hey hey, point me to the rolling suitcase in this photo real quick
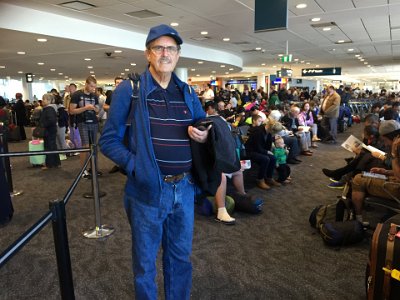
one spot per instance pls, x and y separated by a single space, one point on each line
383 269
37 160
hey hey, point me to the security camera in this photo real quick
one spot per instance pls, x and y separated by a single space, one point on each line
108 54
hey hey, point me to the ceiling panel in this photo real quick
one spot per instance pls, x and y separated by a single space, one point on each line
355 31
367 3
384 49
329 5
312 7
378 28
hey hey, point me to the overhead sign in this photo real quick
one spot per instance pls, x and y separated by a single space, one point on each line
287 58
277 20
29 77
321 71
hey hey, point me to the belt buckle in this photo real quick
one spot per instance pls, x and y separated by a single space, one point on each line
174 178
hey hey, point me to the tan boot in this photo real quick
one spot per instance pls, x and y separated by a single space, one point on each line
262 185
272 182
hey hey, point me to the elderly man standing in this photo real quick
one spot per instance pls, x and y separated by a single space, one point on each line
159 193
330 113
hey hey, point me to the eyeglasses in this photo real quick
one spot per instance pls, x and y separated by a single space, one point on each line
160 49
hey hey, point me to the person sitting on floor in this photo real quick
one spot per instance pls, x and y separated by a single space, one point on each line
258 149
363 186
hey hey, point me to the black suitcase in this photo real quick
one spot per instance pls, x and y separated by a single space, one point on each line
384 253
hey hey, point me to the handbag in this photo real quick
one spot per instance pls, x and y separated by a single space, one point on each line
38 132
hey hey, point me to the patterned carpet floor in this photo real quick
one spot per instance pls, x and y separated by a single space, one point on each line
274 255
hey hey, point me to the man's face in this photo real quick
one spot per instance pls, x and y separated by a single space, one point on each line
221 105
163 54
90 87
118 81
72 89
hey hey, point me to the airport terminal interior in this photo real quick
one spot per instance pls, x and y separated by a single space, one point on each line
273 62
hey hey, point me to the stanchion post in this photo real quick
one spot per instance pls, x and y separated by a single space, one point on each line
100 231
57 208
7 165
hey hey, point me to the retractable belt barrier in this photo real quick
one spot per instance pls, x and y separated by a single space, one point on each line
57 215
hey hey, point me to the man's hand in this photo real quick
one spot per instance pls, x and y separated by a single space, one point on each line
379 171
198 135
89 107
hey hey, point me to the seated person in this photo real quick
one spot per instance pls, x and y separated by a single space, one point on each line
276 128
291 122
280 153
363 161
222 214
306 118
363 186
258 149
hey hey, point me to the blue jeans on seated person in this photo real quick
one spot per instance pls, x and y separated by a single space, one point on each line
171 225
266 162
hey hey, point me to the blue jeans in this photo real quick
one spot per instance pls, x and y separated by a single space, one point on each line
171 225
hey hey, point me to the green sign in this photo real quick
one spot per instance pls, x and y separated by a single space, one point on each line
286 58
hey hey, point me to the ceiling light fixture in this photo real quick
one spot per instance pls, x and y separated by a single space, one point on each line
213 72
327 28
340 41
350 50
88 59
126 70
133 64
222 66
280 55
21 53
258 48
174 24
117 51
77 5
301 5
41 40
231 69
192 70
91 72
40 63
52 70
263 64
200 62
90 67
60 74
226 73
20 72
122 73
357 55
362 59
204 32
2 67
315 19
226 39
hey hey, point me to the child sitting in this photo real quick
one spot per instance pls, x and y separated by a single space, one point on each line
280 153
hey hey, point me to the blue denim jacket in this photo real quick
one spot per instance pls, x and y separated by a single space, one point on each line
144 177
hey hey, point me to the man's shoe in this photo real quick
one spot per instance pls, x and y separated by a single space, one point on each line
86 175
331 174
262 185
336 185
114 169
272 182
98 172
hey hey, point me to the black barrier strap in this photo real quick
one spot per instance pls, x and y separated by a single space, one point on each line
15 154
24 238
62 249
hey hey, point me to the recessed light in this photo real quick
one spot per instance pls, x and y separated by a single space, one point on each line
301 5
41 40
258 48
52 70
365 63
340 41
315 19
204 32
226 39
126 70
369 66
65 76
350 50
174 24
326 28
20 72
280 55
357 55
192 70
222 66
213 72
88 59
317 66
60 74
133 64
21 53
302 62
263 64
117 51
91 72
231 69
2 67
226 73
200 62
122 73
90 67
362 59
307 63
41 78
40 63
274 66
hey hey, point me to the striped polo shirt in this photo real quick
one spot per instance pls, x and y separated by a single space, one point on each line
169 120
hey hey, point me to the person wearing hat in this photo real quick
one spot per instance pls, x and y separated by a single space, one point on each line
389 131
159 193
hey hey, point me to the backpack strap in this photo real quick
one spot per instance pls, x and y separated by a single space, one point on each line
135 83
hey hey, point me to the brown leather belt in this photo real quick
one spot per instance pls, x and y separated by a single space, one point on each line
174 178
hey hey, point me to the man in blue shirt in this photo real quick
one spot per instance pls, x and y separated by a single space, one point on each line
159 193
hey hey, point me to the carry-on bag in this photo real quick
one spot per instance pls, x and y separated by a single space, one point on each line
37 160
383 269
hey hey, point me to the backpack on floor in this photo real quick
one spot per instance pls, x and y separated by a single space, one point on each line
342 233
247 203
205 205
337 211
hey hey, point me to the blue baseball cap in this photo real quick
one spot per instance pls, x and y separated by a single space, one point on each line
163 30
